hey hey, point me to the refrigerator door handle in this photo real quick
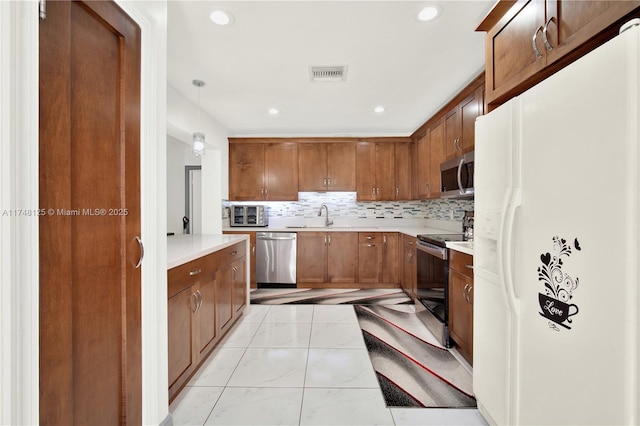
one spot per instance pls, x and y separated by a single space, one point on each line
513 200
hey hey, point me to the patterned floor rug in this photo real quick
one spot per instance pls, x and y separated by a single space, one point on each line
292 296
412 368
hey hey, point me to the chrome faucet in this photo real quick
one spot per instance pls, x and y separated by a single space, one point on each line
327 222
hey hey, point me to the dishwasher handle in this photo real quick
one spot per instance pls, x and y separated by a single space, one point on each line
275 238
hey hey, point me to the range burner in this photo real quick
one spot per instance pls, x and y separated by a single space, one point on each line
440 240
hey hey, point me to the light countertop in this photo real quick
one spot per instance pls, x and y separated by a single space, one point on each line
411 231
461 246
184 248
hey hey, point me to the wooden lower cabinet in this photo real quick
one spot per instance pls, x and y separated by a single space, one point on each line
327 258
461 303
206 297
253 283
378 258
409 279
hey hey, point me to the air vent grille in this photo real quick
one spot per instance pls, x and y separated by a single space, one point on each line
328 73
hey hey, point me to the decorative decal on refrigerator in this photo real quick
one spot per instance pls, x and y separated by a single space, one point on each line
559 286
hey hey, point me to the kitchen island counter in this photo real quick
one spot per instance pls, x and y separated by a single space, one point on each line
186 247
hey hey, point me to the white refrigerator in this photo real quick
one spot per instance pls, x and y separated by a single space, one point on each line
556 266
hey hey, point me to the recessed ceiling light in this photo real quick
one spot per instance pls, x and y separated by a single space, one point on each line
274 111
429 13
379 109
220 17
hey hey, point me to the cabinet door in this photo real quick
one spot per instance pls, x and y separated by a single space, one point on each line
423 167
390 261
461 313
570 24
366 171
182 354
341 166
312 251
511 57
206 315
239 279
224 298
281 172
403 171
312 161
436 157
452 124
343 257
370 255
246 171
385 168
470 109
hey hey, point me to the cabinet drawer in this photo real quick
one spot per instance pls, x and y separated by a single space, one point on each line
408 241
461 262
369 237
183 276
232 253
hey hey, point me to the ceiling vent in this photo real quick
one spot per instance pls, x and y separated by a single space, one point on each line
321 74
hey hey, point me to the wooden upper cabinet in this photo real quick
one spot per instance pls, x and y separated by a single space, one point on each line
281 172
525 39
261 171
376 172
246 172
437 155
327 166
452 133
403 157
422 168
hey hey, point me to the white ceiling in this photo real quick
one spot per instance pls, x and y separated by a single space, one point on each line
262 61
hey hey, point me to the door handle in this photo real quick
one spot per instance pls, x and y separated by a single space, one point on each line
195 272
544 34
141 252
533 41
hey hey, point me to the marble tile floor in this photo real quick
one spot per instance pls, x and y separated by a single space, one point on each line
297 365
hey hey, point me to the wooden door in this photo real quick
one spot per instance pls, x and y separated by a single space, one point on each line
224 298
461 313
206 312
573 23
281 172
312 167
341 166
423 167
342 257
436 156
246 171
390 262
239 285
385 168
366 171
403 171
311 267
90 310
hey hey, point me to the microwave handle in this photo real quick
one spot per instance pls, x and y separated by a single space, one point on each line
462 188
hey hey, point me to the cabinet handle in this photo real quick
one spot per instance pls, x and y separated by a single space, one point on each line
464 292
199 300
371 245
329 239
235 273
370 237
469 294
233 253
384 239
253 250
325 240
195 272
324 182
141 252
544 34
328 182
373 190
533 41
193 308
468 266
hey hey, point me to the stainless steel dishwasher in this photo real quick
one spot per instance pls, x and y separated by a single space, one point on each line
276 259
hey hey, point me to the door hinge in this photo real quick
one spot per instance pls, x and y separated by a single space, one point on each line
42 9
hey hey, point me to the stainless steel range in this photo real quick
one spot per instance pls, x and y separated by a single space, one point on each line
432 304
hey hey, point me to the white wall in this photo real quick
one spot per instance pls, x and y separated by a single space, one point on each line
182 113
179 155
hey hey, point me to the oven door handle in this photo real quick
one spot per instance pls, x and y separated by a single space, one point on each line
433 251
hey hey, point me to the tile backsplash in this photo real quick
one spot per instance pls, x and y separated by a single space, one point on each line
344 205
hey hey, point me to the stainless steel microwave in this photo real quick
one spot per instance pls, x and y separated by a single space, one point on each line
249 216
456 177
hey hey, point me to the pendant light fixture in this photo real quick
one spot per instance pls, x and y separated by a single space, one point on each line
198 137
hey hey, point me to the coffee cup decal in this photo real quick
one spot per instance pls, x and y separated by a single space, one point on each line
558 286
